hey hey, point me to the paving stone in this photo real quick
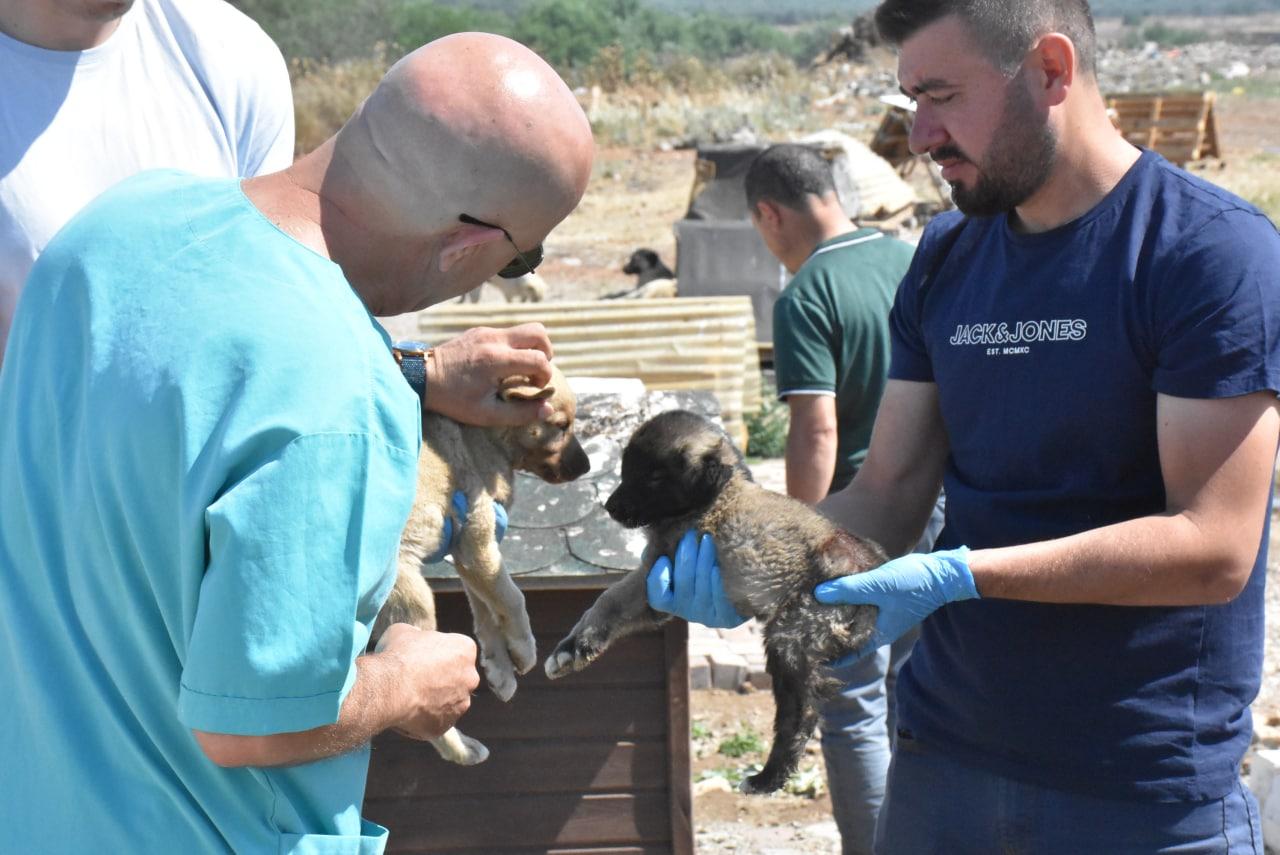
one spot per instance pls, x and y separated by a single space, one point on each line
1264 781
728 670
699 672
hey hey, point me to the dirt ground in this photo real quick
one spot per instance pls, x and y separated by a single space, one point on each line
726 821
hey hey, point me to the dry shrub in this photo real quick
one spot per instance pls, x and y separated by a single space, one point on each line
684 101
325 95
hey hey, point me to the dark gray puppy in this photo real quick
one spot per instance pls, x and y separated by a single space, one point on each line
646 265
681 472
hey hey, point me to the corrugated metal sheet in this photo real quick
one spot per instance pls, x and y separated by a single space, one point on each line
703 343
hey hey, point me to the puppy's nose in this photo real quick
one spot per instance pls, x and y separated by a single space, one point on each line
575 462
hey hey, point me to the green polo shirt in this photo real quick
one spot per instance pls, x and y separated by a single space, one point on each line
831 333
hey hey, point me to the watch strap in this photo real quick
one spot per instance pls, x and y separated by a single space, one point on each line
412 359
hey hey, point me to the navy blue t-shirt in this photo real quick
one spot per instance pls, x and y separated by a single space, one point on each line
1048 351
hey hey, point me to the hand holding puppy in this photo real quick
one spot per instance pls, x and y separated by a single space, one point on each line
447 533
465 373
906 590
437 676
692 588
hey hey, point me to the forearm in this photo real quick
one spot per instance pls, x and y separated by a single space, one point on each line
811 463
377 701
1167 560
893 515
893 494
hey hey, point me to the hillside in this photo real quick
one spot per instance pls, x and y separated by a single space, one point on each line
786 11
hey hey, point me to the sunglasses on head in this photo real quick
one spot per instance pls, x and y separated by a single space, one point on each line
523 262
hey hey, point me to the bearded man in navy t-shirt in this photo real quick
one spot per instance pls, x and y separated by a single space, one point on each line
1087 356
1088 359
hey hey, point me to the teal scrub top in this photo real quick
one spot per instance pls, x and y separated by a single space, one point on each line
207 454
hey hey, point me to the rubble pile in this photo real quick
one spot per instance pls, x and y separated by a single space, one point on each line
854 42
1197 66
1149 68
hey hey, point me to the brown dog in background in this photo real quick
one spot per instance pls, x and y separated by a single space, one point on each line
681 472
481 462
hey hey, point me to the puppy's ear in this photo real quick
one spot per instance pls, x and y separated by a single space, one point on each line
519 389
710 476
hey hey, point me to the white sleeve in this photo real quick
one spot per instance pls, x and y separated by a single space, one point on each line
266 131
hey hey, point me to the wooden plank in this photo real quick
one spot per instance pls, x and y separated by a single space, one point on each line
594 850
490 824
1210 146
404 768
676 648
552 613
582 712
655 849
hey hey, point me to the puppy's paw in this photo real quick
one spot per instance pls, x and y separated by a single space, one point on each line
767 781
500 674
457 747
524 653
573 654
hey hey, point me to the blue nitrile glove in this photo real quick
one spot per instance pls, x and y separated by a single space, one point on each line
906 590
692 589
459 502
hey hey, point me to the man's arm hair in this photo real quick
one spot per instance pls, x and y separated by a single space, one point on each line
376 702
812 439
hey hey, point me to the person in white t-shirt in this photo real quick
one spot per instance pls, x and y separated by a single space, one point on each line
97 90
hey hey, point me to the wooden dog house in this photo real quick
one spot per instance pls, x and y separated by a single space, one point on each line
596 763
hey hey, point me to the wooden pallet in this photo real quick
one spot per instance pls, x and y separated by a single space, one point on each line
892 137
1180 126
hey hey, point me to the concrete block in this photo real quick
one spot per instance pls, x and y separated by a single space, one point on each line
699 632
1264 781
699 672
752 651
703 647
728 670
747 633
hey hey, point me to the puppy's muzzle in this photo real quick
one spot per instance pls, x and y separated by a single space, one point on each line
569 465
622 509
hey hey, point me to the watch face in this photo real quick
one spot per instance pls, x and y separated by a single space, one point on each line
411 346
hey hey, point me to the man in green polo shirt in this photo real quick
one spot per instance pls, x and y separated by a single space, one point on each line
831 356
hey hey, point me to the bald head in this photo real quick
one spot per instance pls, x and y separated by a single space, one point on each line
471 124
476 121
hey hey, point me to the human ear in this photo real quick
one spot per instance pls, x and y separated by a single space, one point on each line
1055 58
768 215
462 241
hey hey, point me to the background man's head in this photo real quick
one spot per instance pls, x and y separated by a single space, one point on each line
469 152
985 75
791 193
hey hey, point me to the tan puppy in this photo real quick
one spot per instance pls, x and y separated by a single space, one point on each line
481 462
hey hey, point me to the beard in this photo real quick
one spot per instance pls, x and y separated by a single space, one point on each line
1017 163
